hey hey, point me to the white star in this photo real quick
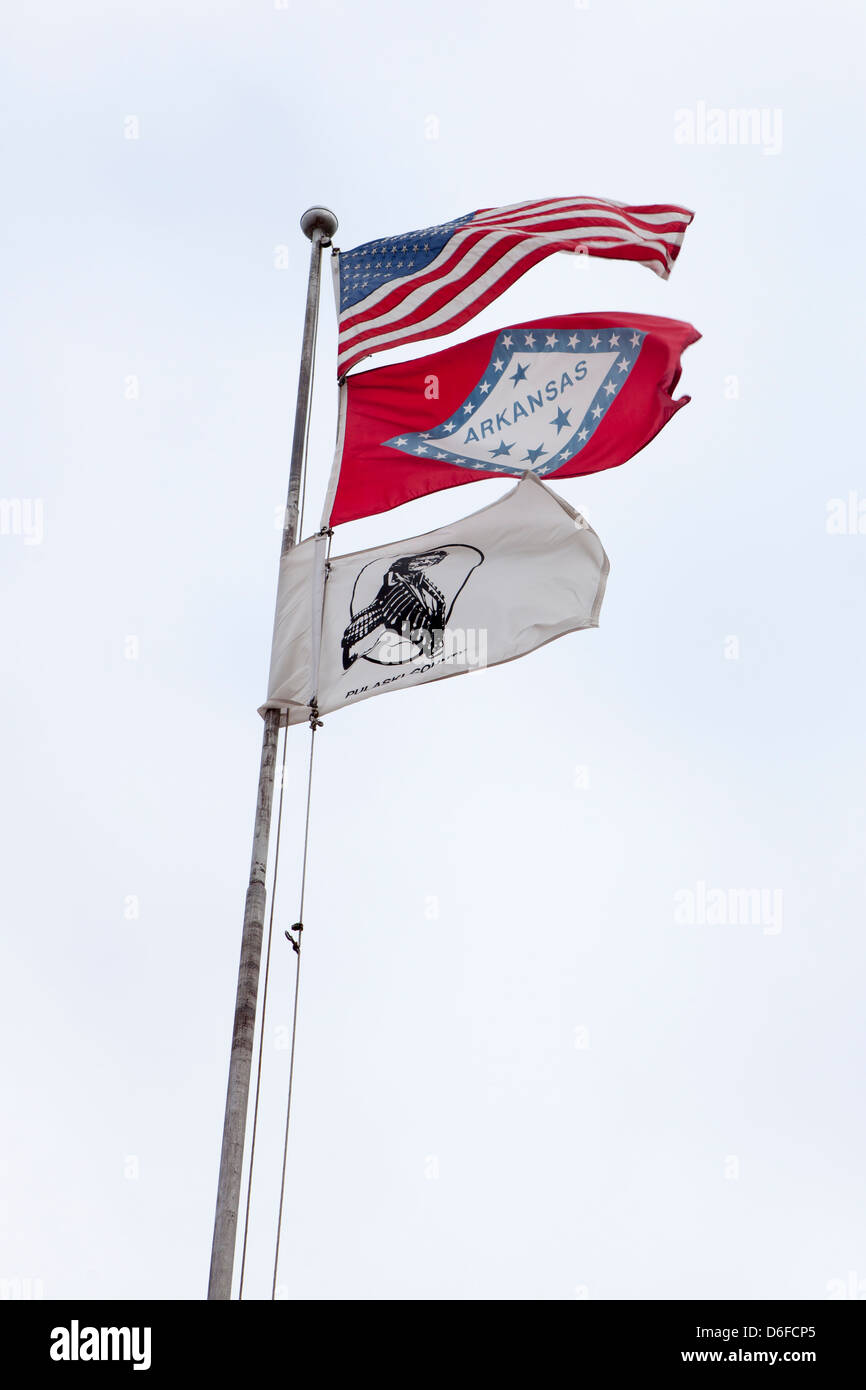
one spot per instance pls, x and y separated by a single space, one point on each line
550 340
609 388
499 365
596 411
425 434
614 340
449 427
507 340
529 338
484 387
422 449
468 408
594 340
635 339
401 441
582 434
441 456
572 342
622 365
565 454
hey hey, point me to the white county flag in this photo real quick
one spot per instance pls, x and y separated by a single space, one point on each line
487 589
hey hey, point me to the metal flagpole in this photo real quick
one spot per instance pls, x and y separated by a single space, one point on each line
319 224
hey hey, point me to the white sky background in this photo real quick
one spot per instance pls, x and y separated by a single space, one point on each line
450 1139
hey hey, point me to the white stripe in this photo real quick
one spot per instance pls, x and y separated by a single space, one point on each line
571 214
579 205
515 209
639 233
582 200
682 216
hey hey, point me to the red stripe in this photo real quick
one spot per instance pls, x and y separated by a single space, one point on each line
640 232
579 204
565 224
626 214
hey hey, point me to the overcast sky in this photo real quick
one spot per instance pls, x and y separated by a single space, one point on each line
521 1073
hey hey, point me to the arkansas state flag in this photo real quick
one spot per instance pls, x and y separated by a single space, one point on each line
558 397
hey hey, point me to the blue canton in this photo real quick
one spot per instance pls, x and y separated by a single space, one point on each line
365 268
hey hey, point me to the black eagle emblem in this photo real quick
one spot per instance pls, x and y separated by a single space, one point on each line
408 603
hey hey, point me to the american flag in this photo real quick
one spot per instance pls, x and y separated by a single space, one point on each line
426 283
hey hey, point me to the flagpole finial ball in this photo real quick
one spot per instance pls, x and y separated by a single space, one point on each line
321 219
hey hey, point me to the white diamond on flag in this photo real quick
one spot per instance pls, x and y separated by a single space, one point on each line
534 406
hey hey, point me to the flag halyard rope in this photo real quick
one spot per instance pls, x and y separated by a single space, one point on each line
264 1013
295 941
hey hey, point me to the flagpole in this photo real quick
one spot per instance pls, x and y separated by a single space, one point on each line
319 224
